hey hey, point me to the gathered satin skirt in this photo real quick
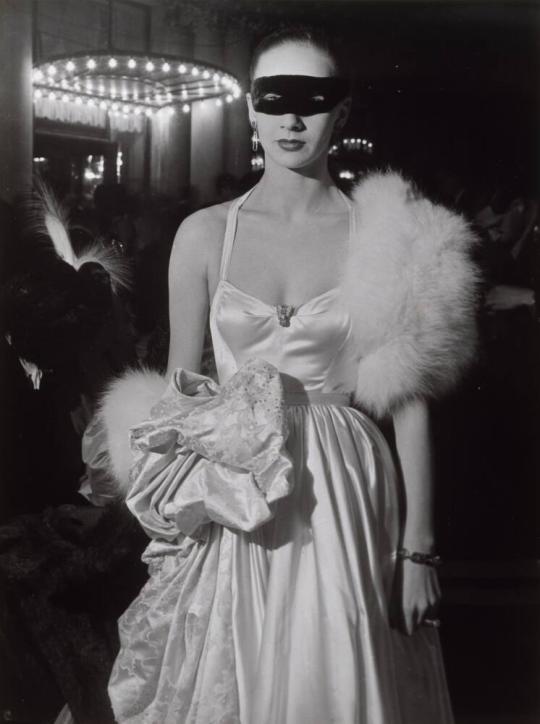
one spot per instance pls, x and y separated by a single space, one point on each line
287 624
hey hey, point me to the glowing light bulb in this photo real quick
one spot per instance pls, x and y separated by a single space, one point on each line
112 63
65 97
52 96
229 98
115 106
78 100
91 64
51 70
165 67
182 68
216 77
38 94
149 112
194 70
132 63
206 74
70 66
103 105
38 75
185 108
149 66
184 94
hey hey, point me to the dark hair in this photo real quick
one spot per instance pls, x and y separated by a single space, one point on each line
298 34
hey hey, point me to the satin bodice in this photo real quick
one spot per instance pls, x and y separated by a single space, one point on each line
314 353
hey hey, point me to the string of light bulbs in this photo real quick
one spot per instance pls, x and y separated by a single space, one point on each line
128 84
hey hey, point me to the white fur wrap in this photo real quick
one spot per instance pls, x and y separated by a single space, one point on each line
411 289
126 402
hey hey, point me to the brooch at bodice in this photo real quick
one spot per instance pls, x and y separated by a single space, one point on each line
284 314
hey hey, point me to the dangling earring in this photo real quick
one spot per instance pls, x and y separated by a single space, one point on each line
254 137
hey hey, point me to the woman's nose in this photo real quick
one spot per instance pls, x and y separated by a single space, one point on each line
292 122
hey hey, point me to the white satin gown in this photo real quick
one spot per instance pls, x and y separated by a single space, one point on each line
291 625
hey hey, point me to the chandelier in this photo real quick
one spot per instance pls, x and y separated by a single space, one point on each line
126 84
347 145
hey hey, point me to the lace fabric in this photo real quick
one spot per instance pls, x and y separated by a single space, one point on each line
207 455
211 454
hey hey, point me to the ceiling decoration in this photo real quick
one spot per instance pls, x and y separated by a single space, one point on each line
125 84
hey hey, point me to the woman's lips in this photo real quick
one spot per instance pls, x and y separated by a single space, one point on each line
291 145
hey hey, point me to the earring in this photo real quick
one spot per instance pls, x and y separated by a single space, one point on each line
254 137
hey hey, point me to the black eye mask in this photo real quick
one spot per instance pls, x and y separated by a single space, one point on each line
303 95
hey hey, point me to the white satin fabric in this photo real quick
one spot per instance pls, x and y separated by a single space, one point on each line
286 623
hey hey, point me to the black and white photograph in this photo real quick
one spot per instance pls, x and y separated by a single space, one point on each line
270 362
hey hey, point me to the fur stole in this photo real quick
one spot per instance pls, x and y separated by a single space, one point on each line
127 401
410 287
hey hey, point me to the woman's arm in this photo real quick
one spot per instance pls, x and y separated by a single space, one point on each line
412 431
188 291
417 584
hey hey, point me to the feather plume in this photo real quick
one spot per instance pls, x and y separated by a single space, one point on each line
116 266
47 216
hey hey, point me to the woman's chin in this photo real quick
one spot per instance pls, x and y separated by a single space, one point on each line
296 160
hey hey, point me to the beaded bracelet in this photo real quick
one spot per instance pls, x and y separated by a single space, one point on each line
425 559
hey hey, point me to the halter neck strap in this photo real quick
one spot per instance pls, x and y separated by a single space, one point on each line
232 223
230 233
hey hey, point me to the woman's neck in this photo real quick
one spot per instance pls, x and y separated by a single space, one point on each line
294 193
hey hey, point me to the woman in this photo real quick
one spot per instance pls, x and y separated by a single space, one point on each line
370 300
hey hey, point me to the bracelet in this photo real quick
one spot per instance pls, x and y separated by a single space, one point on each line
425 559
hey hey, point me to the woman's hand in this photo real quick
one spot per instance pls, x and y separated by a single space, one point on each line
415 596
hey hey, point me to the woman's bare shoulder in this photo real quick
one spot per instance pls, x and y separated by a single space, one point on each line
201 234
206 221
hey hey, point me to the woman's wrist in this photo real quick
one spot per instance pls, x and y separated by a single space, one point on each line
420 543
418 557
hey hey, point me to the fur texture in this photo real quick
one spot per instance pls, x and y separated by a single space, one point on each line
411 289
126 402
